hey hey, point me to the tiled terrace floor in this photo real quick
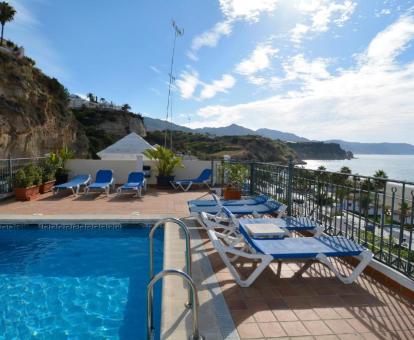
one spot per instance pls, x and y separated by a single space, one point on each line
315 306
157 202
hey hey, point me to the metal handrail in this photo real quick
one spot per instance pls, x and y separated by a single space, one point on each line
188 268
150 325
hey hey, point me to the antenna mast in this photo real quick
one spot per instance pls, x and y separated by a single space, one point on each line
177 33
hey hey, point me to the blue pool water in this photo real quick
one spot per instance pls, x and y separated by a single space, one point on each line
76 284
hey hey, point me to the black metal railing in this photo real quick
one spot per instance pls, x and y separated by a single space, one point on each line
375 212
8 168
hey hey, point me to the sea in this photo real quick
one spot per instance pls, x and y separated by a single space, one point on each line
397 167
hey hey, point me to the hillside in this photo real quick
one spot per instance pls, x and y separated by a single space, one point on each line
238 147
153 124
104 127
320 150
234 129
34 118
377 148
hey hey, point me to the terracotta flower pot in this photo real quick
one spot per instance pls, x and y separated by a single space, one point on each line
26 194
46 187
231 194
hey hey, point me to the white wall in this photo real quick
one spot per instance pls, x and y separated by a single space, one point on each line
121 168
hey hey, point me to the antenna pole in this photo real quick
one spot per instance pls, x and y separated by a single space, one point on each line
177 33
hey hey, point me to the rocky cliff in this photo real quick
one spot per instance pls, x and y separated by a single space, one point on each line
35 118
104 127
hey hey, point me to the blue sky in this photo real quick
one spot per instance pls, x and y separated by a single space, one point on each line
320 68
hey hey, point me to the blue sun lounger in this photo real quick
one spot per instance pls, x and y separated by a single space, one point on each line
103 182
185 184
260 199
309 249
74 184
136 182
226 223
269 207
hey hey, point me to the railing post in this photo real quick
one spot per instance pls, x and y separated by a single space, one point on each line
10 171
289 188
212 173
252 178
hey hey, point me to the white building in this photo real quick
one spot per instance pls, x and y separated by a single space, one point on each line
130 147
76 102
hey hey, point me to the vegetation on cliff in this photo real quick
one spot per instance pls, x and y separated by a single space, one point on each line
238 147
104 127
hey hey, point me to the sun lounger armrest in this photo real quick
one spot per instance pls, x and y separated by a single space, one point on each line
365 258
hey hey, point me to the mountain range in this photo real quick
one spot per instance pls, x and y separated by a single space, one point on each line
153 124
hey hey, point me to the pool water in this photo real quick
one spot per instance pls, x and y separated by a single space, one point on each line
76 284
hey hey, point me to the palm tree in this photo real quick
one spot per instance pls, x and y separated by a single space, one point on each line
7 13
126 107
365 202
91 97
404 211
381 182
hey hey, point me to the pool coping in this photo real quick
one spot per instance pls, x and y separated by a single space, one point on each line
215 319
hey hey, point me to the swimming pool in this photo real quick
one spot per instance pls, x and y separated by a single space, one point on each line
78 283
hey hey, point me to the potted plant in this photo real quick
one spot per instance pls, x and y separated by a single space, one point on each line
48 175
59 159
167 162
235 175
26 183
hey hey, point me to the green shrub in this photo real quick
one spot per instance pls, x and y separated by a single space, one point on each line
21 180
48 170
34 172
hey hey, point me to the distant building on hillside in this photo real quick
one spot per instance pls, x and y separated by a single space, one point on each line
76 102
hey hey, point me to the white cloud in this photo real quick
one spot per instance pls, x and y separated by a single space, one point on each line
217 86
321 14
189 83
245 9
259 60
233 10
298 67
211 37
365 102
155 69
391 42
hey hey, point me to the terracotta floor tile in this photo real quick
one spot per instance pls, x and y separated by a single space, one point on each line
272 329
264 316
285 315
339 326
242 316
249 331
361 325
327 313
306 314
295 328
317 327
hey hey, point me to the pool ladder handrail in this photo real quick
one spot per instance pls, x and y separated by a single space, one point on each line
188 267
194 307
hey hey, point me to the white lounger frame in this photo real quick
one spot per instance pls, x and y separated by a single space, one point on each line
223 247
178 185
138 190
74 192
106 188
